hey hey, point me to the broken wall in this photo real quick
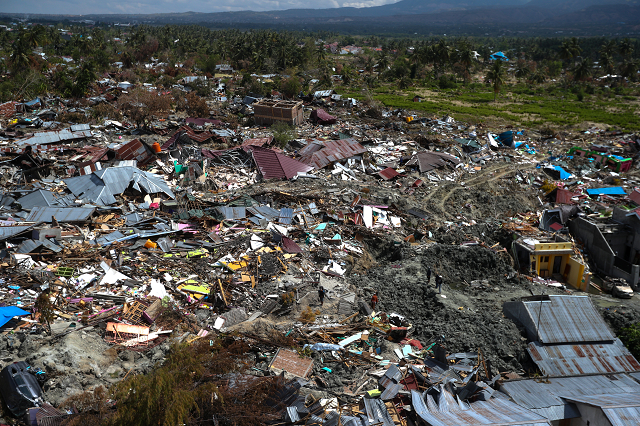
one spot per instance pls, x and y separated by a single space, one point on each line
576 274
267 112
600 250
595 243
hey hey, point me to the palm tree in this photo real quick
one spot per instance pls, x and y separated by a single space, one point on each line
497 77
582 71
625 48
629 69
522 69
607 63
570 49
465 58
608 48
20 55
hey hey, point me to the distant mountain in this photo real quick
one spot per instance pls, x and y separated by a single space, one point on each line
576 5
416 13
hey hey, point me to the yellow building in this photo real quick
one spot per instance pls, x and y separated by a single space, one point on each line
551 257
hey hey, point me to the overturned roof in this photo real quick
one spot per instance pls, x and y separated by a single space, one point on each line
547 397
44 198
320 116
447 411
101 186
7 232
560 319
274 165
429 160
62 214
44 138
322 154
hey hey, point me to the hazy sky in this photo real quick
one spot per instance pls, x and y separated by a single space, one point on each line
83 7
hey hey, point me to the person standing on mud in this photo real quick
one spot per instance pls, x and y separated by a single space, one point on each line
428 275
374 300
321 293
439 283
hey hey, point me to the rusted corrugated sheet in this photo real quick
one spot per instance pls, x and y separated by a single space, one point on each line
635 196
258 141
496 411
290 246
273 165
135 150
8 109
567 319
331 152
388 173
292 363
564 196
190 133
568 360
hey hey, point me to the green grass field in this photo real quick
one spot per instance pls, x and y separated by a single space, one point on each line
519 105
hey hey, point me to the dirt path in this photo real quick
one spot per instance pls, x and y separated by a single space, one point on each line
497 173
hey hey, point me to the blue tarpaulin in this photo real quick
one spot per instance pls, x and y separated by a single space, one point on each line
506 138
8 312
613 190
498 55
564 175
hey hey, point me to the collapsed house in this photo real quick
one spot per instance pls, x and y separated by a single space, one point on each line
268 112
550 256
612 245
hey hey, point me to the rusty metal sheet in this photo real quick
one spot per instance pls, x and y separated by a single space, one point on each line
567 360
564 196
273 165
291 362
331 152
389 173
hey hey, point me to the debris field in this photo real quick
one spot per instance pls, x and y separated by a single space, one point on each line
117 242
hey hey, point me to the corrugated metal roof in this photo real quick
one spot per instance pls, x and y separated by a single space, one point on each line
37 198
80 127
623 416
609 400
544 396
286 216
273 165
11 231
377 412
232 212
564 196
388 173
290 246
567 319
330 152
28 246
62 214
429 160
101 186
567 360
447 412
44 138
264 212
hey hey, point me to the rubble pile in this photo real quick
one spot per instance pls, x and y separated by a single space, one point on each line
118 241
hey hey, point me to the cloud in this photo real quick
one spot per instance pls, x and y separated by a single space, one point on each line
85 7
